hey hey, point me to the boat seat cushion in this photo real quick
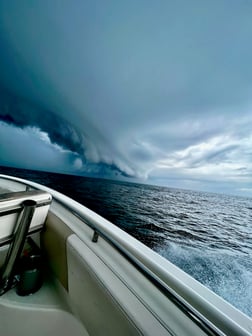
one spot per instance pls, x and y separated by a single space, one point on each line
53 242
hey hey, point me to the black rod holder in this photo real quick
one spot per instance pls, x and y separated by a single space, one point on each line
17 244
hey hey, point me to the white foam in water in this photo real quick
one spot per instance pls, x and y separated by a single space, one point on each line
227 275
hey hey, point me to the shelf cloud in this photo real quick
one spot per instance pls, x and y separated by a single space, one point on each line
157 92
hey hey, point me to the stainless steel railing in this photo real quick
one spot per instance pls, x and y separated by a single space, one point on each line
17 244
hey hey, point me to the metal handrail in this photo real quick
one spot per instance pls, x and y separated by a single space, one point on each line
17 244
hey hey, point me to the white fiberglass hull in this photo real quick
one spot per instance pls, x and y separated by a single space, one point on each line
112 284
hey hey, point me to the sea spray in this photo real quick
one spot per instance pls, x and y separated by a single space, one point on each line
227 274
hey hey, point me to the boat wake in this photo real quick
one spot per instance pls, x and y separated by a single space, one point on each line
227 275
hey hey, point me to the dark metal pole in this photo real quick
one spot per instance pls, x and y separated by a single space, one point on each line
17 244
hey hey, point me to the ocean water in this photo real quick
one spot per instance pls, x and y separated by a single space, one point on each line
207 235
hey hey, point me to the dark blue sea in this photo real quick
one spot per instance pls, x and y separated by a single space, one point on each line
207 235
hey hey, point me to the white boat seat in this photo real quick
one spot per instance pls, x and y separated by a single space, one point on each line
53 243
11 206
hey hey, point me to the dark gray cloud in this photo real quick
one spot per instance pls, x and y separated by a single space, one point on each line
21 113
156 90
44 125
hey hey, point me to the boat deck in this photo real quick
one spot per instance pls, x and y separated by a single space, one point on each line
44 313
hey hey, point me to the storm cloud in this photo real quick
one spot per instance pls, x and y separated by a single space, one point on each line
44 140
157 91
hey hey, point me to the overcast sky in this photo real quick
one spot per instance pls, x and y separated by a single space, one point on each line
155 91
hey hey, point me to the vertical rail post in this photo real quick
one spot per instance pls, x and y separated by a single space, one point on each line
17 244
